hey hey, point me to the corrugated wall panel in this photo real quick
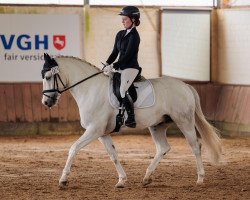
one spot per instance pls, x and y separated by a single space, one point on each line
22 103
244 111
36 102
212 96
223 106
27 103
10 103
3 107
241 104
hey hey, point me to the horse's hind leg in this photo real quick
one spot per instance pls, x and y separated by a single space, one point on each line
188 129
162 147
107 142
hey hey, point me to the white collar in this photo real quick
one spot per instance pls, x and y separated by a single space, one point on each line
128 30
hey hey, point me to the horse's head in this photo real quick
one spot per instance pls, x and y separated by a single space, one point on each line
52 81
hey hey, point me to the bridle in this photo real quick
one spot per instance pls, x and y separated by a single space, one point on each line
57 77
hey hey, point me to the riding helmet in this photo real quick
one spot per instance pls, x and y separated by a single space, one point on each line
132 12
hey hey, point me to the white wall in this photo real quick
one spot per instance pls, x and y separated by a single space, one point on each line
103 24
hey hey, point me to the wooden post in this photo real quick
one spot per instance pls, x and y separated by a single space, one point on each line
223 3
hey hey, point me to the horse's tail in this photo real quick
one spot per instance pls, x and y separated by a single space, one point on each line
208 133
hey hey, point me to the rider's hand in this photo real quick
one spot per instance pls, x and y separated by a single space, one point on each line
104 65
108 69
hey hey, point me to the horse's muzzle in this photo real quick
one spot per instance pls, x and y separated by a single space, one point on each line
51 101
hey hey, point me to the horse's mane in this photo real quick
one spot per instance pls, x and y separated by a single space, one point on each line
79 59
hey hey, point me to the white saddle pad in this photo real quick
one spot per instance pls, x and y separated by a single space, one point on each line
145 95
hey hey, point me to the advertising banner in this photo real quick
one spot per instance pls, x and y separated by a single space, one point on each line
24 38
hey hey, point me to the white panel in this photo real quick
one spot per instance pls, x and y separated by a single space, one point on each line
25 38
66 2
234 46
239 2
119 2
154 3
186 44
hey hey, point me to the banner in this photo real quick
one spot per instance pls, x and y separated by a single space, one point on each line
24 38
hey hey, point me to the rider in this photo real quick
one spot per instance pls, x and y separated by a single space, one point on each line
127 45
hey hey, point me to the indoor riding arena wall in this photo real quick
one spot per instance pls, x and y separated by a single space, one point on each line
224 103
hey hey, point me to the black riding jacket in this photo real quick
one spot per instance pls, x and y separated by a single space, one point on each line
128 47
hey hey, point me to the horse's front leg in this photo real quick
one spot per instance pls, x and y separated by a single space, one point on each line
89 135
107 142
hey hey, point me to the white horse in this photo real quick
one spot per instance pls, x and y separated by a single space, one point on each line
174 98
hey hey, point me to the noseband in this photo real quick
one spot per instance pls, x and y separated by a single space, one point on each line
56 87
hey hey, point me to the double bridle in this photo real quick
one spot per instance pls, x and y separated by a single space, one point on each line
56 87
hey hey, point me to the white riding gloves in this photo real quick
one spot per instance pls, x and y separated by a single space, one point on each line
108 69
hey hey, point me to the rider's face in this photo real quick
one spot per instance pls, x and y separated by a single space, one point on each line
126 21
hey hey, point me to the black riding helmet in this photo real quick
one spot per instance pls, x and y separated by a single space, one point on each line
132 12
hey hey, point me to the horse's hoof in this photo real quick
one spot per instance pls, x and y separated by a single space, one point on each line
63 184
119 185
147 181
199 182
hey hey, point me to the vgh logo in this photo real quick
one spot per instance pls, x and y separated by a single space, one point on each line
29 42
59 41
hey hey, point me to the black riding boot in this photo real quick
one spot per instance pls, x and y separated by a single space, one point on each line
129 107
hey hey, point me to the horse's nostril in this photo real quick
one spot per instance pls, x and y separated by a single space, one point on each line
46 103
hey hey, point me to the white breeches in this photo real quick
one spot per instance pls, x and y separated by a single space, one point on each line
127 78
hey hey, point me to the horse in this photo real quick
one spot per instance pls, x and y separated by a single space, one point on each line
89 87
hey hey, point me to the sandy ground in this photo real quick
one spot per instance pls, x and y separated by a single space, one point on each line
31 166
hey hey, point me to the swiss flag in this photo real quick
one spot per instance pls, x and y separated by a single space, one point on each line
59 41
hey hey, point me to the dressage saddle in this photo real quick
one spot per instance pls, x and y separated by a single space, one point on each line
132 89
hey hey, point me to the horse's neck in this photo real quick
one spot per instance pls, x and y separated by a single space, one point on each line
74 69
77 71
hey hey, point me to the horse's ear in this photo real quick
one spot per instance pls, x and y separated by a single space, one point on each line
49 62
47 58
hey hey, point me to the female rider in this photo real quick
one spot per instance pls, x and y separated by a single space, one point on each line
127 46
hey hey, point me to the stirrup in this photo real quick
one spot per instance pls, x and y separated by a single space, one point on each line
130 123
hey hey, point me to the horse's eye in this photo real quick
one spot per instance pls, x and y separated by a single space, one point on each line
48 78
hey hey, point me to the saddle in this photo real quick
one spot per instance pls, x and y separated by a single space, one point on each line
132 89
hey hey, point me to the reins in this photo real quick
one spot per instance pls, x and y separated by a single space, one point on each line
65 88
